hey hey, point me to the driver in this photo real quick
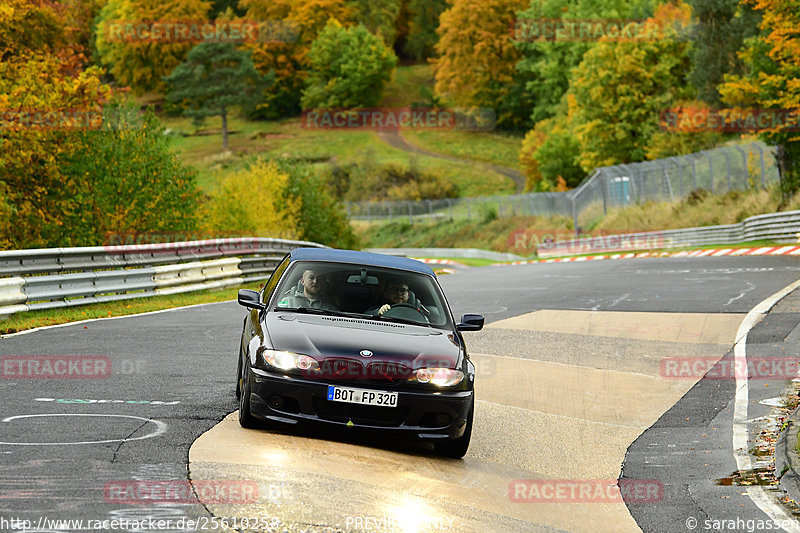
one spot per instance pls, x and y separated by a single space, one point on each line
312 295
395 292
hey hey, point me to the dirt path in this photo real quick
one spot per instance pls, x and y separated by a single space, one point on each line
394 139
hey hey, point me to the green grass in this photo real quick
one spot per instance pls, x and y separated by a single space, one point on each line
488 147
405 89
522 235
49 317
467 261
287 138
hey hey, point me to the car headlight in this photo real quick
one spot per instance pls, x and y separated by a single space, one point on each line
290 361
441 377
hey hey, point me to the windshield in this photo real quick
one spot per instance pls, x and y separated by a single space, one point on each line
362 291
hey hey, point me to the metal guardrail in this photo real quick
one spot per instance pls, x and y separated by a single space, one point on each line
64 277
778 227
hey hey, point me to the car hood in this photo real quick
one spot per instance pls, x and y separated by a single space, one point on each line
333 337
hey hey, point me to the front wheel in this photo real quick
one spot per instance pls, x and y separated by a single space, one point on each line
457 448
246 419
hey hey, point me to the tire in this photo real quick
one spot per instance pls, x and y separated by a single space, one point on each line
239 375
246 419
457 448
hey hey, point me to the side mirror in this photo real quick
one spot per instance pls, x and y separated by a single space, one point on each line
251 299
470 323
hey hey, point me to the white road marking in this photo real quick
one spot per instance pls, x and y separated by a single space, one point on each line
67 324
740 448
161 428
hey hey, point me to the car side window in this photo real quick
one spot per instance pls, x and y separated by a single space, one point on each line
269 288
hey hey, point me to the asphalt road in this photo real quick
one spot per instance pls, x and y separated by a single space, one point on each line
172 374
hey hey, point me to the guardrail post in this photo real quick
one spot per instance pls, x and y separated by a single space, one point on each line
745 170
728 167
711 170
763 173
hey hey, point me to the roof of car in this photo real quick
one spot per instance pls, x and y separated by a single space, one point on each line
360 258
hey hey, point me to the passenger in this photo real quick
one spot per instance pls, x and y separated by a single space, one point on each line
309 293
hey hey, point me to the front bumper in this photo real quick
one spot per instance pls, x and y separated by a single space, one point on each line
423 415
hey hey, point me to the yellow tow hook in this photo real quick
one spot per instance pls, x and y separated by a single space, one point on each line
350 423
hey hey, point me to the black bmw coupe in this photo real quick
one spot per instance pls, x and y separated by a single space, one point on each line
359 340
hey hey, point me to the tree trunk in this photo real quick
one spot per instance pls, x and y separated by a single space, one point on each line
224 129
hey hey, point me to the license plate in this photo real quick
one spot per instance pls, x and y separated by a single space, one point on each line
362 396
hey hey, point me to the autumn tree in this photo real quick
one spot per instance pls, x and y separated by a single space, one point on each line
423 23
140 59
547 61
772 68
214 78
253 202
124 179
46 96
378 16
348 67
284 54
477 59
621 88
719 31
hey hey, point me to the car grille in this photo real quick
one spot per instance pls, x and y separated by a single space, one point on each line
369 415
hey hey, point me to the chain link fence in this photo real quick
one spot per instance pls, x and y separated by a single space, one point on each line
735 167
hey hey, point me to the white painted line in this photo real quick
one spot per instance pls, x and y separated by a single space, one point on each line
161 428
42 328
740 447
726 251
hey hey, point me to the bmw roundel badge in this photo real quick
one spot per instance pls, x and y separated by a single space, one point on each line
365 353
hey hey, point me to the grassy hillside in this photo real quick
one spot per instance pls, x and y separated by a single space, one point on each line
521 234
202 147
